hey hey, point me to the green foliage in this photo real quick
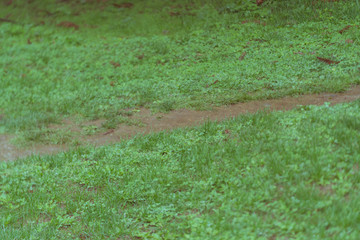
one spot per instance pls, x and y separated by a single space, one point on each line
285 175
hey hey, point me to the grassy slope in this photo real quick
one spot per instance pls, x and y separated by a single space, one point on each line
264 176
65 72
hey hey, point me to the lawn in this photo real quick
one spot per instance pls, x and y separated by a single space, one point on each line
92 59
269 175
280 175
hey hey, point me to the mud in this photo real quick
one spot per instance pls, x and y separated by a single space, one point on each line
9 151
175 119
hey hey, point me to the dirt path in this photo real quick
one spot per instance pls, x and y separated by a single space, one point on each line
176 119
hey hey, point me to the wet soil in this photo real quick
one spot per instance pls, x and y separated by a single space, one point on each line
175 119
9 151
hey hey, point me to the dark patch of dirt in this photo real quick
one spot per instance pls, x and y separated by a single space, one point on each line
175 119
326 189
123 5
10 152
67 24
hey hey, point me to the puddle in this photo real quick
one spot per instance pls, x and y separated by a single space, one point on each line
175 119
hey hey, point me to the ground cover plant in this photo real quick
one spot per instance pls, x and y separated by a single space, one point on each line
97 59
280 175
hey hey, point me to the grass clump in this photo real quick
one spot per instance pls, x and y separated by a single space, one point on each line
264 176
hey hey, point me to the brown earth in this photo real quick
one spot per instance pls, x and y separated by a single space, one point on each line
175 119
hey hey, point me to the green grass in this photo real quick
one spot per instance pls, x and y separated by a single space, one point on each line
281 175
144 57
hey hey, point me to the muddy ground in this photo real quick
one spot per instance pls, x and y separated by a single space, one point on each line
175 119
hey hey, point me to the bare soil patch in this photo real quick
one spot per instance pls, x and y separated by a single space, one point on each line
175 119
9 152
